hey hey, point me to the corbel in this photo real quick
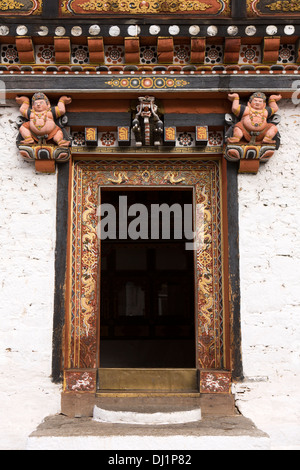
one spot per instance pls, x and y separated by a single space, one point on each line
165 50
271 50
62 50
243 145
25 50
198 46
96 50
232 50
132 50
47 141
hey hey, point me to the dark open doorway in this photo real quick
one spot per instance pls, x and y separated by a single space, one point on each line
147 312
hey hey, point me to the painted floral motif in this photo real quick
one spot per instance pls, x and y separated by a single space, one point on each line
147 83
45 55
148 55
108 139
215 138
80 381
182 54
9 54
78 139
114 55
287 54
250 54
80 55
186 139
213 55
215 382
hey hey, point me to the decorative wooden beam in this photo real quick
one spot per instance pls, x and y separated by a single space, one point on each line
96 50
62 50
99 119
194 120
132 50
25 50
83 84
165 50
232 50
198 50
271 50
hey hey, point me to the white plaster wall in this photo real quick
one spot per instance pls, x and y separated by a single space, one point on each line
27 244
270 288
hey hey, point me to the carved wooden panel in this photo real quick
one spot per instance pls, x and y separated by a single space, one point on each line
84 257
22 7
257 8
138 7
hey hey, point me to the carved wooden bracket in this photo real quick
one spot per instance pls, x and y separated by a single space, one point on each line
44 156
252 136
42 135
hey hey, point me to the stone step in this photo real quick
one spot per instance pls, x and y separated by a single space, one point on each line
79 405
210 433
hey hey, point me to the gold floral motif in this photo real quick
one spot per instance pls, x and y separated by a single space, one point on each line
10 5
146 6
89 257
285 5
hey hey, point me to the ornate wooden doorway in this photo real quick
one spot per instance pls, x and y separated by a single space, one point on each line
197 179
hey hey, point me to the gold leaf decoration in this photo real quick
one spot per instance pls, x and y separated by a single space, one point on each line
144 6
284 5
10 5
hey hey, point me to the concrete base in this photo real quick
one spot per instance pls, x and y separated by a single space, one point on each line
211 433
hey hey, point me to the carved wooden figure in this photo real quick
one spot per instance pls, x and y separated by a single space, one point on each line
253 136
41 119
147 125
253 125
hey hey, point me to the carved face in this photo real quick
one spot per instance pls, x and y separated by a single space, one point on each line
146 111
40 105
258 103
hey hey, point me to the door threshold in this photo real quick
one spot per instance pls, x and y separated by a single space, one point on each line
147 380
138 393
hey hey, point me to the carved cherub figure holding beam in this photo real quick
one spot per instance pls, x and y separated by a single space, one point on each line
41 119
254 118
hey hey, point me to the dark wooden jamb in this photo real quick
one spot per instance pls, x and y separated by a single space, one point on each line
234 270
60 269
